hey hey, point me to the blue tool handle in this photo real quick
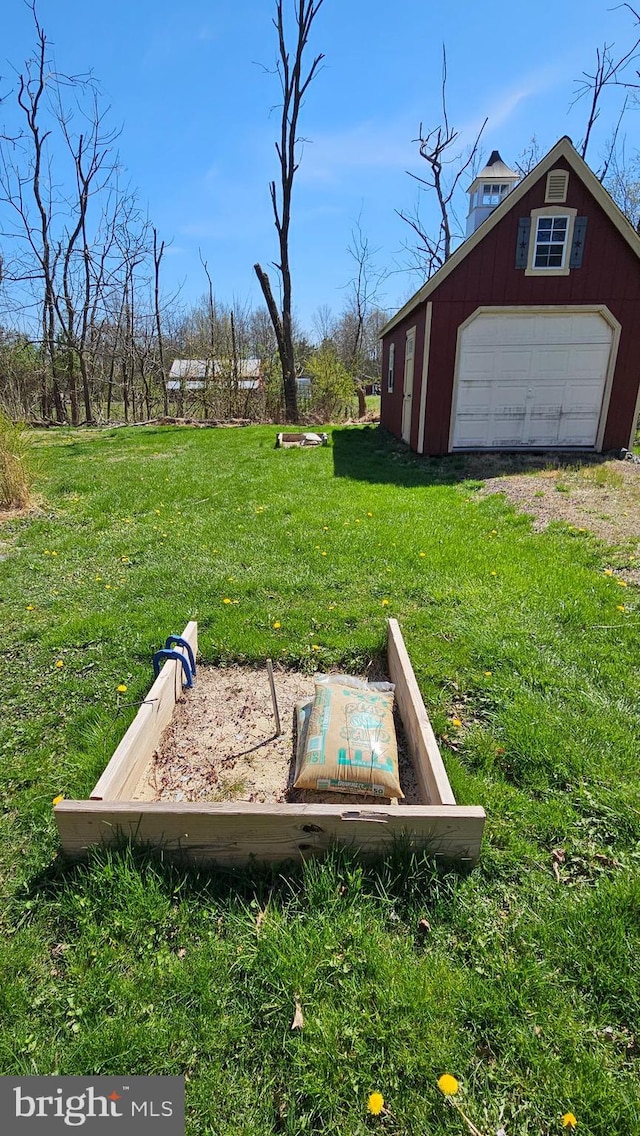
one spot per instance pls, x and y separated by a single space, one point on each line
180 642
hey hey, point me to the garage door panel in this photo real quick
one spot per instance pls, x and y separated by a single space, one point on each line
549 362
587 362
531 380
477 398
479 365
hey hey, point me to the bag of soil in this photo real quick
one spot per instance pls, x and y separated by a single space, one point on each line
350 744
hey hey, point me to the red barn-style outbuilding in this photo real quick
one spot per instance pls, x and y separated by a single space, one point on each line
528 337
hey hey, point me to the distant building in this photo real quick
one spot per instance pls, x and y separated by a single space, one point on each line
528 336
193 374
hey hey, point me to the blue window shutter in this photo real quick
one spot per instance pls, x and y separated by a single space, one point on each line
577 244
522 244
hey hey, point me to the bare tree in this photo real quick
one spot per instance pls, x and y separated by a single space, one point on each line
75 234
610 70
528 157
364 297
210 372
623 183
294 83
157 260
446 168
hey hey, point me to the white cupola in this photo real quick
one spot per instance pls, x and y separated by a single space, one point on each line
492 184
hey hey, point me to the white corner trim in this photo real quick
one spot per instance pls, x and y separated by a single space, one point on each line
632 436
425 372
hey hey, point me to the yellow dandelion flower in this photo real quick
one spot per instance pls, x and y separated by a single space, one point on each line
448 1085
569 1120
30 607
54 553
369 514
487 674
323 554
59 663
621 583
385 603
620 607
315 647
124 559
277 624
46 552
357 520
608 571
423 554
226 600
493 573
375 1103
56 800
456 722
325 528
108 587
121 688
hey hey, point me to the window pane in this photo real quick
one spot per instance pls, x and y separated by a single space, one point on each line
544 228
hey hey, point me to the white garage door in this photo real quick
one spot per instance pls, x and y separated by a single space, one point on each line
531 380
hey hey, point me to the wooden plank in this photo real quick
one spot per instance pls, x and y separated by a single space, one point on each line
236 834
429 766
119 780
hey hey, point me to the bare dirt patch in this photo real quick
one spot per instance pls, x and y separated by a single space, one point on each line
221 744
601 495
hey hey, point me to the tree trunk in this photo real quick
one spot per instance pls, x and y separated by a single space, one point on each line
285 350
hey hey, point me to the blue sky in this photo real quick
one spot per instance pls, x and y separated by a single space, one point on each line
187 83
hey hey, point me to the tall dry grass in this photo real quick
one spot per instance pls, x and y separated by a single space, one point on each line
15 477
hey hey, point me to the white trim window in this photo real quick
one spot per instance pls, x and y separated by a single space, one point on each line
551 242
492 194
391 367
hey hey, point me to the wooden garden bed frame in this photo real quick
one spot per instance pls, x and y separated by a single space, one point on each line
236 832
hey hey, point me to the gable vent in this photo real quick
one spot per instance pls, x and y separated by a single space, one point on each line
557 182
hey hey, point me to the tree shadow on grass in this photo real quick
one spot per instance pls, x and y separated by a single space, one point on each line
371 454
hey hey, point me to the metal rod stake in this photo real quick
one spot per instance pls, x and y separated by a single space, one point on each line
273 698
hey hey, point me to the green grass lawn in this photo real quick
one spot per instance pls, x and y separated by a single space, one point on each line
526 986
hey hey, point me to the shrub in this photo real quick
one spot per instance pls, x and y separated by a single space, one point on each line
15 479
332 390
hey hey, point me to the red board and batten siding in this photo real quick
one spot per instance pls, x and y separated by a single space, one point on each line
610 275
